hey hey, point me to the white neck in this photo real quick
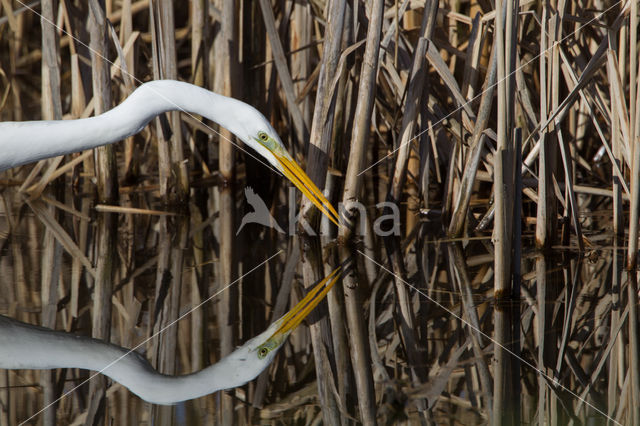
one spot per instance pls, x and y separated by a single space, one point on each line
24 346
25 142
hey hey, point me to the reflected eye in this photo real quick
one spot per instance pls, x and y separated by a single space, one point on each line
263 352
263 136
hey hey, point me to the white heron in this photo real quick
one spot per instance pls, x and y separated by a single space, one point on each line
26 346
28 141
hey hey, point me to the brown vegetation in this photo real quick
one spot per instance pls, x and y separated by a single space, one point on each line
507 137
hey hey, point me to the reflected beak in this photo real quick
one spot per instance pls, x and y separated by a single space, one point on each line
299 178
294 317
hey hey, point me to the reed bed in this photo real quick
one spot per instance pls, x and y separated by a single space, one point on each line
502 135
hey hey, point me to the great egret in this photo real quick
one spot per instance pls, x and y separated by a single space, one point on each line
28 141
25 346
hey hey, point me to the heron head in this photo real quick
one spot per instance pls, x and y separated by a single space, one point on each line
264 139
266 345
251 359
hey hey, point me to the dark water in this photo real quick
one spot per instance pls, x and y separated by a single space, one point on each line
556 350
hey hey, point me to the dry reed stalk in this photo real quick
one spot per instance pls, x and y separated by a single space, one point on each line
616 360
51 259
459 274
178 166
321 339
131 210
515 340
540 335
301 38
632 251
283 70
128 307
617 356
634 112
543 207
162 354
78 102
199 15
634 345
126 32
322 123
506 24
165 309
5 402
460 211
106 168
317 160
545 219
341 349
199 58
106 174
514 198
353 292
279 308
226 51
174 188
414 92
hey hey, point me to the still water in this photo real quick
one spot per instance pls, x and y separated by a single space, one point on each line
560 346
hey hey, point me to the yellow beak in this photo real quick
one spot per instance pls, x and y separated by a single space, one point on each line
299 178
294 317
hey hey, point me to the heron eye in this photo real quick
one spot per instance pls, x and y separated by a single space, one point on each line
262 352
263 136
